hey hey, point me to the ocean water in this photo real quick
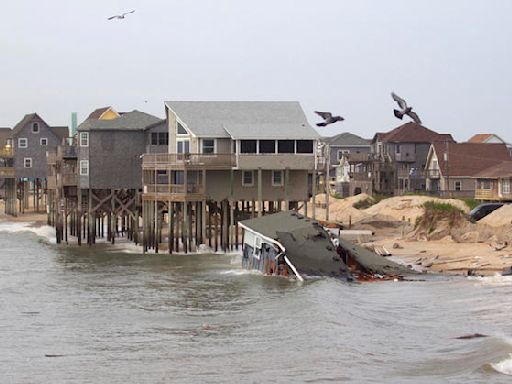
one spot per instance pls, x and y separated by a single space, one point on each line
98 315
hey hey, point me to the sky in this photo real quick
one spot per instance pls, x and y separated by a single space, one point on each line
451 60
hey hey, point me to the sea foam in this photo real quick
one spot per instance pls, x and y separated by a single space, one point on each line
504 366
44 231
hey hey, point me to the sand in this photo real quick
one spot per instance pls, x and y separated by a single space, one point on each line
500 217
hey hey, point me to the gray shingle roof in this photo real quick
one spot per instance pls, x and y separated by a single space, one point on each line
60 132
244 119
347 139
129 121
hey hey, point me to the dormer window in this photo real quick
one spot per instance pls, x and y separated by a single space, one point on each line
180 129
35 127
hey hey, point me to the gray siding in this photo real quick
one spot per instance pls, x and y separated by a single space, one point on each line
114 159
334 158
34 150
218 186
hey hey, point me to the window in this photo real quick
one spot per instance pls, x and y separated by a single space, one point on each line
27 162
342 152
84 139
180 129
458 185
286 146
505 186
84 167
159 138
277 178
22 142
248 146
305 146
247 178
183 146
485 184
154 138
43 141
208 146
267 146
35 127
398 149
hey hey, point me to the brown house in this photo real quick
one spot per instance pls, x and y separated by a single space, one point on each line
401 157
451 167
493 183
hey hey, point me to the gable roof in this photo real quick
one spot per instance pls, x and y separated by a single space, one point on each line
501 170
96 114
60 132
412 132
128 121
347 139
467 159
244 119
483 138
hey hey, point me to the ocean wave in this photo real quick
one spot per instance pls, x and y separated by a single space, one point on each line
44 231
504 366
496 280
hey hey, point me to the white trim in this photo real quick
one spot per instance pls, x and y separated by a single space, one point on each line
41 141
25 162
279 245
201 141
86 138
182 140
82 163
243 179
38 127
25 140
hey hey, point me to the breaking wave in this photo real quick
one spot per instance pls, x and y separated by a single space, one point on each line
504 366
44 231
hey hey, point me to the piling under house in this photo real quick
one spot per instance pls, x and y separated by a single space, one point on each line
99 182
227 161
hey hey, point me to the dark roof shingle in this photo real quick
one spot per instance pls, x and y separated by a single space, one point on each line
413 133
468 159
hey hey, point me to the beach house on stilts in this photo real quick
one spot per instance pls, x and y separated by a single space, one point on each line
227 161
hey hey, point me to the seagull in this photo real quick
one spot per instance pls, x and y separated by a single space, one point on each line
405 110
328 118
121 16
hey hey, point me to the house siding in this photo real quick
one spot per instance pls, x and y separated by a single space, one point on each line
34 150
114 159
218 186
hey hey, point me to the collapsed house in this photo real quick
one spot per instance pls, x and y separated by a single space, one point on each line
291 245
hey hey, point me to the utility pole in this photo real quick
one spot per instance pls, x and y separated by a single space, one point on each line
327 152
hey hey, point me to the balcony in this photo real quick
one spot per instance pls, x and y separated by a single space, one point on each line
68 152
405 157
6 152
433 173
7 172
188 160
174 192
69 180
279 161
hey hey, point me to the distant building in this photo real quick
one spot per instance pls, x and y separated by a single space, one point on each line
452 167
350 168
486 138
401 156
32 139
494 183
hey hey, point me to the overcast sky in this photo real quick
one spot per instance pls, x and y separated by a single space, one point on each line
451 60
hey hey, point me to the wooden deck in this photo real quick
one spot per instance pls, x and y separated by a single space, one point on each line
188 160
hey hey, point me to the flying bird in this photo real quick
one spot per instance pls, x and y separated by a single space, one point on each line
328 118
404 109
121 16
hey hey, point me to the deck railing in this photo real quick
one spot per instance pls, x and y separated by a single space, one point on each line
188 159
69 179
167 189
6 152
7 172
486 194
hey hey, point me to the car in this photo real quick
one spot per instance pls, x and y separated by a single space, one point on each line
482 210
